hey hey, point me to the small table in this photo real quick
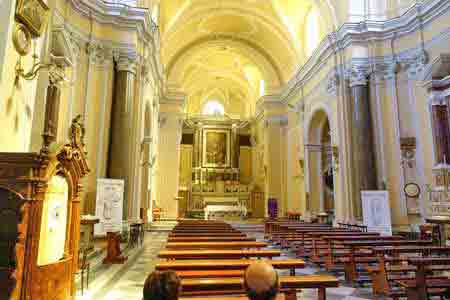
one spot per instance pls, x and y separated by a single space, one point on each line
138 228
87 232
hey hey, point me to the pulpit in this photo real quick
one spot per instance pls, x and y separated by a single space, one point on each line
40 219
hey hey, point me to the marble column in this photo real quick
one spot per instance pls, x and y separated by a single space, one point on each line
363 146
121 124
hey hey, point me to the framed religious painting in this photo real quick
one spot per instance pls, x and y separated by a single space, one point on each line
216 148
33 14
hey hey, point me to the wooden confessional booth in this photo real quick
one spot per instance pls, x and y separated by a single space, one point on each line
40 219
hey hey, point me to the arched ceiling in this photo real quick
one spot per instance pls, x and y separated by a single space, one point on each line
210 45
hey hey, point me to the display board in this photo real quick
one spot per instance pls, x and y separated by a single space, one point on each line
376 211
109 206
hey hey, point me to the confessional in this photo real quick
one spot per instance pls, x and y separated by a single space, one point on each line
40 218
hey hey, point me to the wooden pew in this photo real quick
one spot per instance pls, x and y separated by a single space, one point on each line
217 254
356 256
208 231
311 242
216 245
210 239
228 265
280 296
336 247
214 286
198 234
392 265
422 286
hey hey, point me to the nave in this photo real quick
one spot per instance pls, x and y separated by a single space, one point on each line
199 255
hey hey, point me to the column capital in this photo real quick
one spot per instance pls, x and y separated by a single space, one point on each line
126 61
357 74
99 55
385 71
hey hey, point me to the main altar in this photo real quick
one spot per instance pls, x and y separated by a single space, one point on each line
216 187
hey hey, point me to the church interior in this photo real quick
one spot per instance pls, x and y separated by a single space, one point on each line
200 136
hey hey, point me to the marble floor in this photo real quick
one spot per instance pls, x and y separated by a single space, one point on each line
125 282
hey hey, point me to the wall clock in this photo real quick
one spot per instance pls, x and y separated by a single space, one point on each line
412 190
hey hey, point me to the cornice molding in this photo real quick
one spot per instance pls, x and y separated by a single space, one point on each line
123 17
414 61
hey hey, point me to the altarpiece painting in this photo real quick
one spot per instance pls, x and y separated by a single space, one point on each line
216 148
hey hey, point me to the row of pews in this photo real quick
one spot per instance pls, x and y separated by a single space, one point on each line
211 257
393 266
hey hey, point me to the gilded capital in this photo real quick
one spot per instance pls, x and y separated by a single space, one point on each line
126 61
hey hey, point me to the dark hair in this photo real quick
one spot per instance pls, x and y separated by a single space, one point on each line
162 286
269 294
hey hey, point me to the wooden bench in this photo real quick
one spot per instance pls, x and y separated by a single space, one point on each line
311 242
217 254
336 247
360 252
392 265
216 245
280 296
214 286
236 264
210 239
198 234
422 285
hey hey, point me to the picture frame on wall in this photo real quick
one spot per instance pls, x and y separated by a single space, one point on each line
33 14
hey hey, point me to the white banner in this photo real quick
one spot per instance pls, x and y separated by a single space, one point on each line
377 211
109 206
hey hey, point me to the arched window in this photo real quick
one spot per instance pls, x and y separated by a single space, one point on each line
312 31
213 108
262 87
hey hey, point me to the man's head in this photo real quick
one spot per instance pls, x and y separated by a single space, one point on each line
261 281
162 286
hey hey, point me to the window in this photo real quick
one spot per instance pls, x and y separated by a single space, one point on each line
312 31
357 12
213 108
262 87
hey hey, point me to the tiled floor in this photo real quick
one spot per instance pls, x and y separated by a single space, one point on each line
125 282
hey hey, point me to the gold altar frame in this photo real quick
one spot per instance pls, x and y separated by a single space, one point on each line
205 162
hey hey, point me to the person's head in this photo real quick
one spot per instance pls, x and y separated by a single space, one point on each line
162 286
261 281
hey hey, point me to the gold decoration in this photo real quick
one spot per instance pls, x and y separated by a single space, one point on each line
21 39
34 15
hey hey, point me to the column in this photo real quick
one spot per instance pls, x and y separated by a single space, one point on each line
274 159
119 165
364 167
169 162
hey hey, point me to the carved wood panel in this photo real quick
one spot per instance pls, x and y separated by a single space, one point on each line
12 242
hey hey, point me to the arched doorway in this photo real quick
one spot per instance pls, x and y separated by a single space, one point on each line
320 166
